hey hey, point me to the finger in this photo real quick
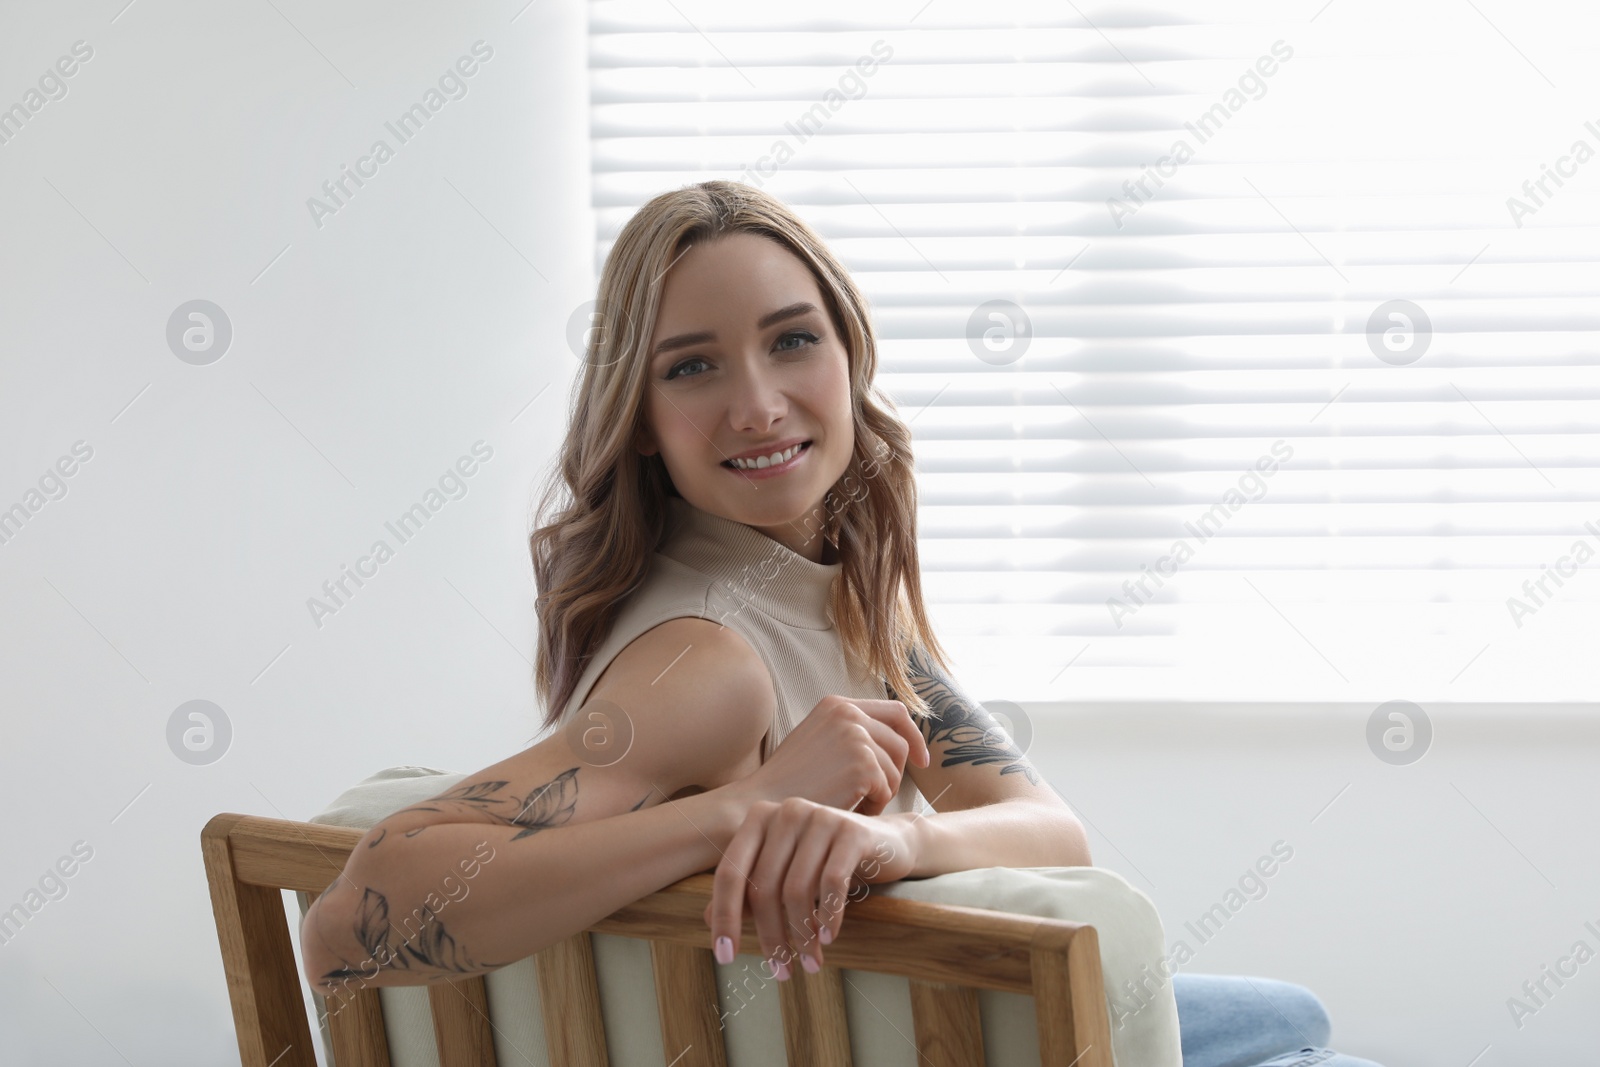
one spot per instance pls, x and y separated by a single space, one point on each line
802 890
907 727
883 783
920 743
891 742
765 894
728 886
885 786
843 856
897 717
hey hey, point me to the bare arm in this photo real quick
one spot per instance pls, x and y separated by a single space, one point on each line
468 898
992 808
541 845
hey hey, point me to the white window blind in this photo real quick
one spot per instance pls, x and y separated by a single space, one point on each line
1238 236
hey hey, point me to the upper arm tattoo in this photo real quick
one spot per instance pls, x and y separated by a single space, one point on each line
968 731
550 805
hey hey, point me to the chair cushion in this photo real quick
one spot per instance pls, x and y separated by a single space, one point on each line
878 1006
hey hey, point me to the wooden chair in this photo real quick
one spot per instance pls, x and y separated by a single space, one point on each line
946 952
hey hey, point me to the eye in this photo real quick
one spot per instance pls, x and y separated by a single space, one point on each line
805 336
809 338
676 367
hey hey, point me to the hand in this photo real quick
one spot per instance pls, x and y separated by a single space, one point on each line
846 752
800 857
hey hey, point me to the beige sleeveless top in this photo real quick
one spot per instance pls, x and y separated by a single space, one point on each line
715 568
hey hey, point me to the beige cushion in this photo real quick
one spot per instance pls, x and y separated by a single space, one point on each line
878 1005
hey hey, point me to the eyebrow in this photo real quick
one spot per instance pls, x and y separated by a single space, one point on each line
688 340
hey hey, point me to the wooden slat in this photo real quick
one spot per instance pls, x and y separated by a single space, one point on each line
815 1031
257 958
355 1021
570 997
911 938
461 1027
686 1000
1069 998
948 1025
355 1026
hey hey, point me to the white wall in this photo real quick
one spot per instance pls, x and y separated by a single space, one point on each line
219 498
1418 898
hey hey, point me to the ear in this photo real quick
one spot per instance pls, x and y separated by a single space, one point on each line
645 441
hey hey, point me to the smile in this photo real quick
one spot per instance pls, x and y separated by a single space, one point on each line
755 466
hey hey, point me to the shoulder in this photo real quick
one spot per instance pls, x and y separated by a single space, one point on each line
687 654
690 692
668 591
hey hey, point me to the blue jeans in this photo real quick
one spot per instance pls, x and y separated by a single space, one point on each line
1228 1021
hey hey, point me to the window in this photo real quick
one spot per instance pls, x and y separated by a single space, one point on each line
1249 348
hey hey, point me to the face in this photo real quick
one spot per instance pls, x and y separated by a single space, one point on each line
729 378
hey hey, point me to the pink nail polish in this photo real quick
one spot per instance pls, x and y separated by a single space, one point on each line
782 970
826 936
724 950
811 965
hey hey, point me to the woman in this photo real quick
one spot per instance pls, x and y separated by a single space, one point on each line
727 598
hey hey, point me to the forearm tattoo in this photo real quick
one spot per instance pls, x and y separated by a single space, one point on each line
429 947
969 732
424 943
550 805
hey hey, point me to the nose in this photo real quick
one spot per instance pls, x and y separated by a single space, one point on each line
758 400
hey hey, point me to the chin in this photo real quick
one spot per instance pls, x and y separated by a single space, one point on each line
777 509
772 514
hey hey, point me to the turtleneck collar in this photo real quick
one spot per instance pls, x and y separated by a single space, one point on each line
750 567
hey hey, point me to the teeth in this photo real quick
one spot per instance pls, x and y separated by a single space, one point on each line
763 462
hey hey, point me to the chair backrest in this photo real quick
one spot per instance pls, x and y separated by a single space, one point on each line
946 952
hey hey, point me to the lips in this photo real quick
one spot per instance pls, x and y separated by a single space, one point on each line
805 446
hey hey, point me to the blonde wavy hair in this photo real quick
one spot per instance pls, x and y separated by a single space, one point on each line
610 502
